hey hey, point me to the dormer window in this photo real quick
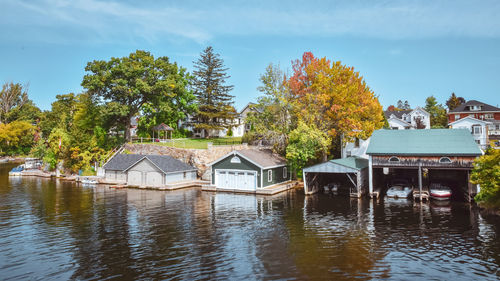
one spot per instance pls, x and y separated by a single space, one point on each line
475 107
394 159
445 160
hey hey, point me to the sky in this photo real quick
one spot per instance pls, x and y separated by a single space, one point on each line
405 50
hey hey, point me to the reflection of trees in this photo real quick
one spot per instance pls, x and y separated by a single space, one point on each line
329 245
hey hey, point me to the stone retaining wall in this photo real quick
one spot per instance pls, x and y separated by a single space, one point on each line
198 158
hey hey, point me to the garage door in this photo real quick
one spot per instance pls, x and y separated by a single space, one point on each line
154 179
236 179
135 178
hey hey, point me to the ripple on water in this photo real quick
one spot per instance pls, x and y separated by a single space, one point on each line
51 230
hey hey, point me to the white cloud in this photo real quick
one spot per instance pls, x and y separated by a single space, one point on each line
109 21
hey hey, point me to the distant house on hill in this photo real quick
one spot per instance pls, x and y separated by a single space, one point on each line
238 124
483 120
417 118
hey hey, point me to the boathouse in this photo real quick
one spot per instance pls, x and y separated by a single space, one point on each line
147 170
350 174
422 157
249 170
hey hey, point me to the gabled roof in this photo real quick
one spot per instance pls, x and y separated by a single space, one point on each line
458 142
167 164
343 165
465 107
162 127
401 121
398 114
354 162
475 120
264 158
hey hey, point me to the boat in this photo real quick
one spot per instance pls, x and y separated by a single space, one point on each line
89 181
399 188
17 171
6 160
439 191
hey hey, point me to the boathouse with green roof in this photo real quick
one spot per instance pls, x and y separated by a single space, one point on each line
422 157
349 175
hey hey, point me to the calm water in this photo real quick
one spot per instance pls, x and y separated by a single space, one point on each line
51 230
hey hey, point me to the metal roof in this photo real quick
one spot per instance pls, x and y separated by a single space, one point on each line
165 163
429 142
342 165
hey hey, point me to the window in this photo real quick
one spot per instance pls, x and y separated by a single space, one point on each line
394 128
394 159
270 175
356 143
285 172
445 160
457 116
478 142
184 175
488 116
476 130
235 159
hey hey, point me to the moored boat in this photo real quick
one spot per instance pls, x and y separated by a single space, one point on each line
89 181
17 171
440 192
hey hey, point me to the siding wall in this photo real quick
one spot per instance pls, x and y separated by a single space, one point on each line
277 176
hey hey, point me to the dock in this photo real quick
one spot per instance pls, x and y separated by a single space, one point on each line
270 190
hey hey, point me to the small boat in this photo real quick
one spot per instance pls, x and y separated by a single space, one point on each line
89 181
399 189
17 171
439 191
6 160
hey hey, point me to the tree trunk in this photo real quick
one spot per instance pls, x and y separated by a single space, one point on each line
127 129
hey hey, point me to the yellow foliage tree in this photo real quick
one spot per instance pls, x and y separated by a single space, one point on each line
335 98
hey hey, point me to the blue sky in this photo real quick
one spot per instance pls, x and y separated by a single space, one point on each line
405 50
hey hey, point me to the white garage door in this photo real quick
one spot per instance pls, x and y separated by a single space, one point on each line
135 178
236 179
154 179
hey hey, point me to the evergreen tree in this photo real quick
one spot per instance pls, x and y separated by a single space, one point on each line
214 101
406 105
400 104
454 101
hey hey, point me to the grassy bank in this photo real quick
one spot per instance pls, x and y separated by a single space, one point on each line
193 143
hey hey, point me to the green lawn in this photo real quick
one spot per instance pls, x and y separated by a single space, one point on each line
197 143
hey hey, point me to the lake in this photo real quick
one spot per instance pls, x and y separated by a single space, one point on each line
56 230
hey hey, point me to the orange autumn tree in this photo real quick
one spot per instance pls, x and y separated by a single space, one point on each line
334 98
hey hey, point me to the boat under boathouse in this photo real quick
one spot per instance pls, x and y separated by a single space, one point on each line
346 174
423 157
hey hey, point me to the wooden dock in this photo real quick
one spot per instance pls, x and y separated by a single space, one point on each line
424 195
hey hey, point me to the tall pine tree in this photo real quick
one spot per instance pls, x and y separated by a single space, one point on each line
215 109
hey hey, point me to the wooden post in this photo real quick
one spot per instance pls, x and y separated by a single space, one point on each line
370 176
420 179
469 185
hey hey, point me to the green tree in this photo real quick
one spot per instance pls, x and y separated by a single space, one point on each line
12 95
307 145
437 113
454 101
486 173
126 84
28 112
212 93
16 137
272 117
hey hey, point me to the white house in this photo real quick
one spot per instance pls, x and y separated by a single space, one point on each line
356 148
478 129
408 119
238 124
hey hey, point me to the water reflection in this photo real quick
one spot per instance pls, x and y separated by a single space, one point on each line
57 230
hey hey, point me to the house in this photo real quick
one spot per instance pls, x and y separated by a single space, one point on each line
147 170
356 148
477 111
478 129
422 157
134 122
249 170
238 124
417 118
